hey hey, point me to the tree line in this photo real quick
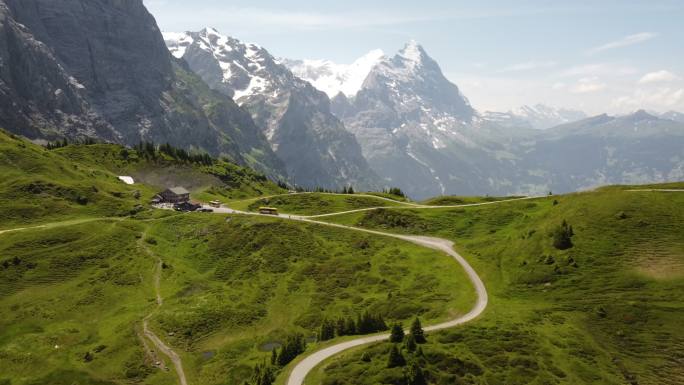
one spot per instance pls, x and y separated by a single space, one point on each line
149 150
64 142
365 323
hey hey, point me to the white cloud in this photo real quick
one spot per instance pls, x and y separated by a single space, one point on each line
558 86
658 77
624 42
588 85
528 66
599 69
661 98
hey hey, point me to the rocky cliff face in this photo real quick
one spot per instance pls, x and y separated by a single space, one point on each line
100 68
293 115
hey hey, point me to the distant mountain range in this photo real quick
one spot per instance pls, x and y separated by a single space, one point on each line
294 116
538 117
420 133
102 69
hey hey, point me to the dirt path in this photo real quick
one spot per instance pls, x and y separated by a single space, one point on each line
51 225
334 194
418 207
158 343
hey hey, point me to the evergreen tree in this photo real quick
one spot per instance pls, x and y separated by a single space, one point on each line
562 236
294 345
262 375
417 332
395 358
274 356
327 331
397 334
415 375
350 326
411 345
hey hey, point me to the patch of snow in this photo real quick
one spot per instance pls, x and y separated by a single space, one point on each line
333 78
127 179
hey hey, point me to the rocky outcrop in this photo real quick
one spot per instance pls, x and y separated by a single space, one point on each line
99 68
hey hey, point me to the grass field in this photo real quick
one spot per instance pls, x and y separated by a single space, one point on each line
78 181
74 292
41 186
232 285
316 203
451 200
607 310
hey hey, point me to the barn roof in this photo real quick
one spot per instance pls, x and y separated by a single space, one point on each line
179 190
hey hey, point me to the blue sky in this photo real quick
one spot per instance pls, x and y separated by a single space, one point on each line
599 56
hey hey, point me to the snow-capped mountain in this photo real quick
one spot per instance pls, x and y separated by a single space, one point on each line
333 78
673 115
538 117
419 133
295 117
408 119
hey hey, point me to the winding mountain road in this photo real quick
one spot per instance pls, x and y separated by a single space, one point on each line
304 367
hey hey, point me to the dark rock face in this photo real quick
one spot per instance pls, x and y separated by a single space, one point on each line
100 68
295 117
38 98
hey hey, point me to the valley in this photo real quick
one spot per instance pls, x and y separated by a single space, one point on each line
236 285
499 203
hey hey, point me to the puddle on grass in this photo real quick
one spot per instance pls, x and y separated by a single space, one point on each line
268 346
209 354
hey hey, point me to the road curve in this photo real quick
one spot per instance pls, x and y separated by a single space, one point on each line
304 367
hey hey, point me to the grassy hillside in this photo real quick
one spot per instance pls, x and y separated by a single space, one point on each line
607 310
452 200
77 181
219 180
233 286
316 203
39 186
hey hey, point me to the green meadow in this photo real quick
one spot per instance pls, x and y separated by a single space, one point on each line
79 263
607 310
316 203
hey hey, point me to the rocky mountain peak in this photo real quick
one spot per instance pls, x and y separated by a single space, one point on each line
412 55
415 85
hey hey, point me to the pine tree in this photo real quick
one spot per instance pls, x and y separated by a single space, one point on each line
274 356
397 334
327 331
411 345
562 236
415 375
294 345
417 332
395 358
